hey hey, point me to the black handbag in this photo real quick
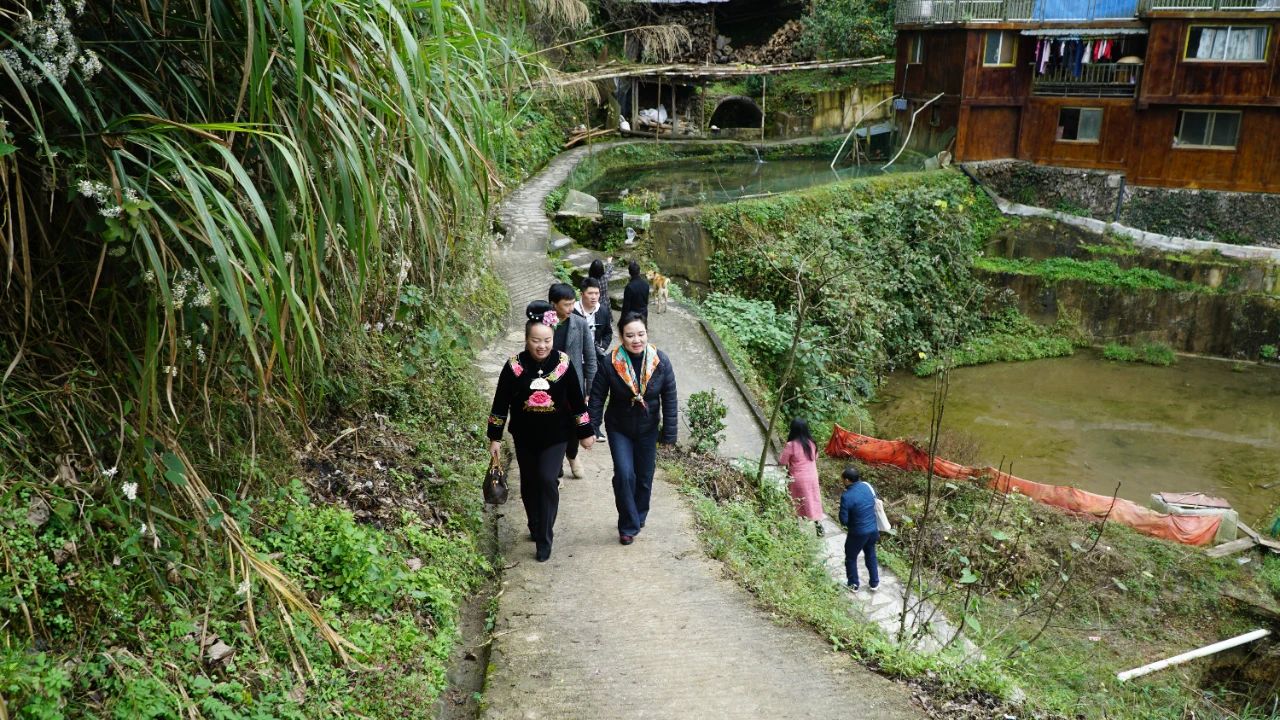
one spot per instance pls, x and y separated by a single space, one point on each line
495 484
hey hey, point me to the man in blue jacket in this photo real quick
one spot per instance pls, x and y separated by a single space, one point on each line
858 514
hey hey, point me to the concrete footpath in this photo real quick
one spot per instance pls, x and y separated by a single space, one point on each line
653 630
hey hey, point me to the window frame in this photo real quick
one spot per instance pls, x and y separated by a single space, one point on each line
1266 45
915 49
1013 52
1102 116
1209 127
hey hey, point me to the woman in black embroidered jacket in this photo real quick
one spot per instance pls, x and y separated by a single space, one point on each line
639 383
539 389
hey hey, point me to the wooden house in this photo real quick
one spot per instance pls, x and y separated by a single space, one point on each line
1178 93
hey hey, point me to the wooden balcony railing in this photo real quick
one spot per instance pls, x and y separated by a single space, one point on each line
977 11
1094 80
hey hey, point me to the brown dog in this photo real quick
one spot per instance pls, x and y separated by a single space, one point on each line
658 284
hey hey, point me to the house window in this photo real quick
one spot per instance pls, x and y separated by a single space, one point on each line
1227 43
1207 128
999 48
1080 124
915 51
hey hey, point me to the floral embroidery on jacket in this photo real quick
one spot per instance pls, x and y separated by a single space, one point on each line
540 401
561 368
584 419
516 368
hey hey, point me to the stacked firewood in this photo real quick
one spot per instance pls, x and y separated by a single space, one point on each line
777 49
701 29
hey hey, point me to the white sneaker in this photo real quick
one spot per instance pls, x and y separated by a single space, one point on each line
576 466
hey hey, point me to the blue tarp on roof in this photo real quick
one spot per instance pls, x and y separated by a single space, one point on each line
1085 9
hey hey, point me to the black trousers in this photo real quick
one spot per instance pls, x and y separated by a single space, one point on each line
540 490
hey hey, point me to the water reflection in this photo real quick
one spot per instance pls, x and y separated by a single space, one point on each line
1202 425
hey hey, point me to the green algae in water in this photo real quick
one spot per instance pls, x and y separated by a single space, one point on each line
1081 421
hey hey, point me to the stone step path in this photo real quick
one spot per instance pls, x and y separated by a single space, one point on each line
927 627
653 630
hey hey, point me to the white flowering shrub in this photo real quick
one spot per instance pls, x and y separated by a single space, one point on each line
48 49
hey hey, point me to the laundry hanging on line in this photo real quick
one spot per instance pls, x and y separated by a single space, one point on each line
1073 53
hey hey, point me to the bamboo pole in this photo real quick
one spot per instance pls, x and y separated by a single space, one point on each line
702 71
764 104
1184 657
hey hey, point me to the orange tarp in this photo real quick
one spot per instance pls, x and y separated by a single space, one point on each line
1186 529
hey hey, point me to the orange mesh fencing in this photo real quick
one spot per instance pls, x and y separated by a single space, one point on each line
1186 529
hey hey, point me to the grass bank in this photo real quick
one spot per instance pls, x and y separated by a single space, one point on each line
1056 605
1096 272
903 248
753 530
1060 605
239 428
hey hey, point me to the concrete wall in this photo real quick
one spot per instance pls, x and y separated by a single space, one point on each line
681 246
1225 325
837 110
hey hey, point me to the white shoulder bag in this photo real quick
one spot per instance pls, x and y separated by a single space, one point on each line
882 520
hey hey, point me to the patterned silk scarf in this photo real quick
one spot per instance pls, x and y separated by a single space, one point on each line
649 363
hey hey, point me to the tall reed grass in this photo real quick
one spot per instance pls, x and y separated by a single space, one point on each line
197 195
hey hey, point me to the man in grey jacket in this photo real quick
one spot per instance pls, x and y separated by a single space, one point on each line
573 337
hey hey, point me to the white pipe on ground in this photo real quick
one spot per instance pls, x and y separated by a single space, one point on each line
1202 652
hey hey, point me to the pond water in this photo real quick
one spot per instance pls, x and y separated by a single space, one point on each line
700 181
1201 425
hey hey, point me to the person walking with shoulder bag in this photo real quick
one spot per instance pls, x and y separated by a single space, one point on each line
858 515
539 400
639 384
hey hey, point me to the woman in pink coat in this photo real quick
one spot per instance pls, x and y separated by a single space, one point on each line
800 456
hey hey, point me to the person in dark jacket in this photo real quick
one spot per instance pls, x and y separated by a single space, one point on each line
858 514
639 383
600 271
635 297
594 308
573 337
538 389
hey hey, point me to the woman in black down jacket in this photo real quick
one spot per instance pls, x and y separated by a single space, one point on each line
539 389
640 385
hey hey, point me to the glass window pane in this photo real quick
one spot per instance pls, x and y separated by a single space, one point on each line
1193 128
991 49
1225 128
1245 43
1194 40
1007 44
1090 124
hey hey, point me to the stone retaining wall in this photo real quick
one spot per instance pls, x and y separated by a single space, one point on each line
1208 215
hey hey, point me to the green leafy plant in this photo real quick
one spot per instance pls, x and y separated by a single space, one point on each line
706 420
1098 272
642 201
1149 353
1009 337
1269 352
